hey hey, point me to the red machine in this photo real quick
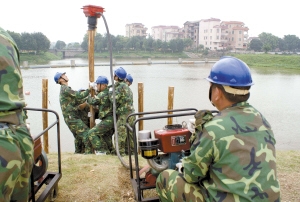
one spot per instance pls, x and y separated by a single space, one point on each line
163 150
173 138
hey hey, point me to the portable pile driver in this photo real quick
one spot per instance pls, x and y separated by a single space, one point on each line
163 150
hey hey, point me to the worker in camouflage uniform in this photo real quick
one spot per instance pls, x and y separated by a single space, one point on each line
129 79
124 107
68 102
16 144
100 136
233 153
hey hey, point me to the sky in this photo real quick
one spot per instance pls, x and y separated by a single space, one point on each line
64 19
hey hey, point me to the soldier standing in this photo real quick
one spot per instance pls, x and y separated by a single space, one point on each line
68 99
124 105
16 148
100 136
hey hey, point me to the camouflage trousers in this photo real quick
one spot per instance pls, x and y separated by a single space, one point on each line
79 130
171 186
100 137
122 134
16 162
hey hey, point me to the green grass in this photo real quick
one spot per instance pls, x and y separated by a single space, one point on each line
268 60
42 58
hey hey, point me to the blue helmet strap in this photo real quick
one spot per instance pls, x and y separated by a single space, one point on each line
210 91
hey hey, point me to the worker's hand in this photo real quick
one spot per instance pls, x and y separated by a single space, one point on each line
179 167
93 85
82 106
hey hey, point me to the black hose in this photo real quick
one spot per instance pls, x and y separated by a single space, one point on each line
113 92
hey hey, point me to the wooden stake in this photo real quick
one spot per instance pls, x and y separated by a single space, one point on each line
141 103
45 114
91 34
170 103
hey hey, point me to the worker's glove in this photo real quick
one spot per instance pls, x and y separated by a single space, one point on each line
93 85
179 167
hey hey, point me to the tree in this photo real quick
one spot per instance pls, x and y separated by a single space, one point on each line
291 42
281 45
16 37
173 45
187 43
84 44
28 43
99 43
269 40
164 46
42 42
256 45
60 45
180 45
266 48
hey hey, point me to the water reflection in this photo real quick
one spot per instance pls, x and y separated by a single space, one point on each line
273 95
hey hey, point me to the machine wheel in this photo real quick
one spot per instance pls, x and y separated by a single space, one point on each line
40 167
159 163
54 193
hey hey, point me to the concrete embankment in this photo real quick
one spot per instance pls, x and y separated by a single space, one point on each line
114 63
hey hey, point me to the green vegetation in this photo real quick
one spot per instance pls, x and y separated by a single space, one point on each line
42 58
136 54
267 60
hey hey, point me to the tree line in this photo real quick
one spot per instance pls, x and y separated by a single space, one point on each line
137 43
268 42
37 42
31 42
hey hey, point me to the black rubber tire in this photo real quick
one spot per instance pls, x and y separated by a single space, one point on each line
39 170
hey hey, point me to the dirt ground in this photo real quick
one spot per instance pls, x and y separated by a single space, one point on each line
105 179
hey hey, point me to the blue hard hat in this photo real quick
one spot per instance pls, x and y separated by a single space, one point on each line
129 78
102 80
57 76
121 73
230 71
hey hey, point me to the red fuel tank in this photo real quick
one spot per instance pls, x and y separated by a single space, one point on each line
173 138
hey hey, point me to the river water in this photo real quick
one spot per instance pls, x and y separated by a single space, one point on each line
274 95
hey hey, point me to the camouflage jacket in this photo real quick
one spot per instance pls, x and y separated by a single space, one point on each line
84 113
103 101
233 157
11 83
69 101
124 99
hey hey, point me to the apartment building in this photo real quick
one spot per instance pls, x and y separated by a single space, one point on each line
217 35
135 29
191 31
236 34
210 33
167 33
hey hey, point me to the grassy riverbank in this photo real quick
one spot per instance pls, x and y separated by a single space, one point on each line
262 62
103 178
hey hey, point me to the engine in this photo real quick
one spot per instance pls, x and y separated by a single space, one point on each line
164 149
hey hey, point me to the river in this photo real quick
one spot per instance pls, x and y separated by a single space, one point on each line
274 95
